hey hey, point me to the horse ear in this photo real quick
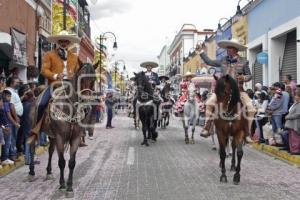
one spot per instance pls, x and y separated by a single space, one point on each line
215 77
227 77
96 65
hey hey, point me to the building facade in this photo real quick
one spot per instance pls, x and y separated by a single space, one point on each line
18 35
274 29
163 61
184 43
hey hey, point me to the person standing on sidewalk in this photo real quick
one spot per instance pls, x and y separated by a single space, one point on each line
293 124
109 102
13 84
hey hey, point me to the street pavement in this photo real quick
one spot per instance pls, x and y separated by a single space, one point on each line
115 166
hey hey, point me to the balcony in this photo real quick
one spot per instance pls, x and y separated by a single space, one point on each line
45 24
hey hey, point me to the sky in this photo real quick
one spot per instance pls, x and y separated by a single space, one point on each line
143 27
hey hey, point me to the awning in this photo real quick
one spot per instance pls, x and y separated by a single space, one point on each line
6 50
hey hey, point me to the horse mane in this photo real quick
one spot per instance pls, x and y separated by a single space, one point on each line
220 88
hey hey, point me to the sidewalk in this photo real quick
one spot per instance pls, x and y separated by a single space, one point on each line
276 152
9 168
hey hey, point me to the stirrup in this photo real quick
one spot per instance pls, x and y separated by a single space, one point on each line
205 133
248 140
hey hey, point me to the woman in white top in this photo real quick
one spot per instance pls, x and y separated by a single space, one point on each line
260 119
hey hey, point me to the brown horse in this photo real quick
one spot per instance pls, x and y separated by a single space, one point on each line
62 122
230 121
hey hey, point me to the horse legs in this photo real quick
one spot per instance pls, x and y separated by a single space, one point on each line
61 161
233 146
31 174
236 177
144 129
193 130
49 168
72 162
222 153
186 129
168 119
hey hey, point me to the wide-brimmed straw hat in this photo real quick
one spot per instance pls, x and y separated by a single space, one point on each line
165 77
189 74
149 63
64 35
232 43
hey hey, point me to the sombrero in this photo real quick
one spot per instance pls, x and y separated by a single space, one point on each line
232 43
165 77
189 74
149 63
64 35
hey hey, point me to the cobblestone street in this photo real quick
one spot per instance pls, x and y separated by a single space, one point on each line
116 166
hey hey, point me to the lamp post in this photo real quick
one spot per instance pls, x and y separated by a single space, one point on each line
115 47
219 30
66 5
238 8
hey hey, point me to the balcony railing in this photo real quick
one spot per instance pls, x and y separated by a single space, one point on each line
45 23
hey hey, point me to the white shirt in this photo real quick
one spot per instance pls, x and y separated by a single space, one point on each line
16 101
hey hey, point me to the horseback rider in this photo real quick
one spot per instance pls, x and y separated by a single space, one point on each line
59 64
238 68
152 76
185 86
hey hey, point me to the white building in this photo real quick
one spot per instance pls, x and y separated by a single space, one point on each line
163 61
184 42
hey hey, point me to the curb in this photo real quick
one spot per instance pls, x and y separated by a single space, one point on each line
9 168
274 151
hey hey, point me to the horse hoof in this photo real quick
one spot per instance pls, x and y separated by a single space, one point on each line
49 177
232 168
62 187
187 141
236 179
146 144
30 178
223 179
69 194
192 141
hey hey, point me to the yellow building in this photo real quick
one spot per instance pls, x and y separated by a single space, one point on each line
239 31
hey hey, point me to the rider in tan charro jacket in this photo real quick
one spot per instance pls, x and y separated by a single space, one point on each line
59 64
238 68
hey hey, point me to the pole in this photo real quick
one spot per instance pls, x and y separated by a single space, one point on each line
65 15
100 64
115 75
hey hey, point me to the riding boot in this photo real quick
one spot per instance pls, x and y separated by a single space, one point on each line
35 131
205 132
247 135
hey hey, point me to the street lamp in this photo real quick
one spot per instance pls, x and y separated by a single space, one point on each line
238 8
219 30
115 47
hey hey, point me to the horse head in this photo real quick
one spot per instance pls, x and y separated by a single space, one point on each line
227 91
85 79
142 83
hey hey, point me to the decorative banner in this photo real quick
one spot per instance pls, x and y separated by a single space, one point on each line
262 58
19 42
71 16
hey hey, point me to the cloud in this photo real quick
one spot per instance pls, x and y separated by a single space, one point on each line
108 8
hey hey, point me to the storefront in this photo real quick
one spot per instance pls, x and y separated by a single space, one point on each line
6 51
277 36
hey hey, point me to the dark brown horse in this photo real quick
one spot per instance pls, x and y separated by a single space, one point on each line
230 121
62 122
